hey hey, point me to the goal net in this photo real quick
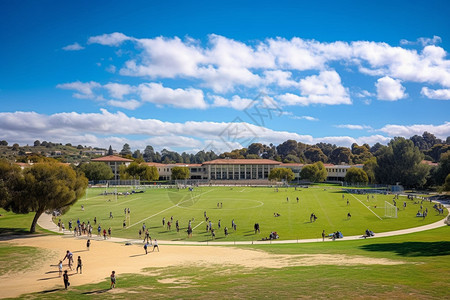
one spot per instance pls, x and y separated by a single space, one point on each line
390 211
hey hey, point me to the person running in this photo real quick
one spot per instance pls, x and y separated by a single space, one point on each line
66 280
88 244
79 265
155 245
110 215
113 279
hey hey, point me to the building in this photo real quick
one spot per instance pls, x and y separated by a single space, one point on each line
252 170
114 162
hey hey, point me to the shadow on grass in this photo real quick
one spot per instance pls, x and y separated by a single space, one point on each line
51 291
96 292
412 249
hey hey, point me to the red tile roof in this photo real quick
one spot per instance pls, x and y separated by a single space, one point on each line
292 165
112 158
155 164
226 161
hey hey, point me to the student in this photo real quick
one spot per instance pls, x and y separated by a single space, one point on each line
60 267
113 279
88 244
79 265
145 247
155 245
69 257
66 279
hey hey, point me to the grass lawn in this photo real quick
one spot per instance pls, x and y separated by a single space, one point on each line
423 275
247 206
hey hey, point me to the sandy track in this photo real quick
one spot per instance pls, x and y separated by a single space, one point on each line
105 256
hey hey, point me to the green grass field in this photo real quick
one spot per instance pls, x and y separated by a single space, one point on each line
246 205
423 275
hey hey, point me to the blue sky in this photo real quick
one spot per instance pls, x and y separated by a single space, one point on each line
218 75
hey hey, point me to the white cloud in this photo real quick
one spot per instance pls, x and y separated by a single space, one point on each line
117 90
308 118
236 102
73 47
184 98
129 104
353 127
105 128
440 94
325 88
441 131
423 41
390 89
111 39
84 89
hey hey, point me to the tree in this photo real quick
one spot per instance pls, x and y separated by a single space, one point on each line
447 183
37 143
341 155
314 154
180 173
126 150
137 170
400 162
110 150
279 174
356 175
15 147
443 168
315 172
45 187
3 143
96 171
369 167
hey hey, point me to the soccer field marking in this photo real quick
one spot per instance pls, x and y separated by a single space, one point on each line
367 207
242 191
198 224
166 209
323 210
202 208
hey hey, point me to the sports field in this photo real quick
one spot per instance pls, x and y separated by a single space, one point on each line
246 206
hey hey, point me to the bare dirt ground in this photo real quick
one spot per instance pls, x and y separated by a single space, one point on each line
105 256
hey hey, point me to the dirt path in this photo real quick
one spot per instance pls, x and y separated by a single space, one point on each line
113 254
104 256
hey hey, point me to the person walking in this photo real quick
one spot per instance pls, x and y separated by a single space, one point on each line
66 280
79 265
323 235
88 244
113 279
145 247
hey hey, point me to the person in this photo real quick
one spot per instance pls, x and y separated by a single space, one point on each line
79 265
95 220
66 279
145 247
225 230
69 257
109 232
349 215
155 245
348 202
323 235
287 199
147 236
164 221
99 229
88 244
140 233
104 234
113 279
60 267
218 224
110 215
297 199
124 224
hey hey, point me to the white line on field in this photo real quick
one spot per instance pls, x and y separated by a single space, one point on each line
242 190
166 209
367 207
198 224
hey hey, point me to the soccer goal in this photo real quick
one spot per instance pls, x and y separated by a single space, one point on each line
390 211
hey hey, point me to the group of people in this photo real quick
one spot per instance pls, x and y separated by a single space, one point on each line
312 217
